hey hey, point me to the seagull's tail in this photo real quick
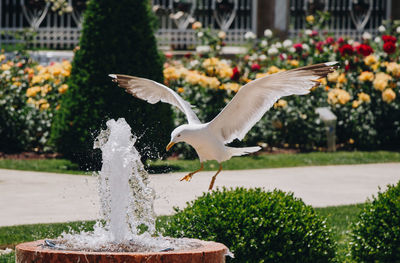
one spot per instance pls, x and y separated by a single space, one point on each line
243 151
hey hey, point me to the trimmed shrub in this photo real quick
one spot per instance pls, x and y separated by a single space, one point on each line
117 37
376 236
256 226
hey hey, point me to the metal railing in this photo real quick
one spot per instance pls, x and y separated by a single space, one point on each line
54 31
348 17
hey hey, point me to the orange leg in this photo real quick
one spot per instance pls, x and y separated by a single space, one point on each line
189 175
213 178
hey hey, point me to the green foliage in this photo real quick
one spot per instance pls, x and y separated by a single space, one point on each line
256 226
29 95
376 237
117 37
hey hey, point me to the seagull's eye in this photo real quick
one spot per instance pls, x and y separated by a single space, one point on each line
178 135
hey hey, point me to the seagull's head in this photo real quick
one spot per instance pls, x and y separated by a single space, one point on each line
180 134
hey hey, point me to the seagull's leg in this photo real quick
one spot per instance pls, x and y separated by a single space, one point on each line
213 178
189 175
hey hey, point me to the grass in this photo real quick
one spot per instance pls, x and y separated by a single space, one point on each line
339 218
237 163
279 160
41 165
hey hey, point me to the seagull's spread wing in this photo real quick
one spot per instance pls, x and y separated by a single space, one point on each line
153 92
255 98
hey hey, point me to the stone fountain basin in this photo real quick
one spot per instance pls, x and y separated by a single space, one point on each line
35 251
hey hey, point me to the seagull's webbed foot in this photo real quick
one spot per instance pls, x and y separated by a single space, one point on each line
213 178
188 177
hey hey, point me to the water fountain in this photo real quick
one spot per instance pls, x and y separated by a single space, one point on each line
127 209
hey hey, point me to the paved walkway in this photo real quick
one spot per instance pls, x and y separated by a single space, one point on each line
35 197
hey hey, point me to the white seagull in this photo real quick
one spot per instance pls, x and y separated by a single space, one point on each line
245 109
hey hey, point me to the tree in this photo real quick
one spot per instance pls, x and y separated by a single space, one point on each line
117 37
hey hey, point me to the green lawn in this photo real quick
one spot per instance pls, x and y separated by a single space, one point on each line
338 217
279 160
237 163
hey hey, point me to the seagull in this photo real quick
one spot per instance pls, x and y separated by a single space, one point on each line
246 108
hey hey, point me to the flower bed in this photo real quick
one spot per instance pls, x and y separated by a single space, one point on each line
363 92
29 97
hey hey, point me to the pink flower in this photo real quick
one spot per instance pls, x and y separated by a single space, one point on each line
255 67
298 47
329 40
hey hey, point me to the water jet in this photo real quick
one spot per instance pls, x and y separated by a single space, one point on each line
126 209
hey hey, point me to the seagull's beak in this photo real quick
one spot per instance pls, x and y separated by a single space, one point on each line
169 146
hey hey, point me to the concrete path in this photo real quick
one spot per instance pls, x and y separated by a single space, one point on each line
33 197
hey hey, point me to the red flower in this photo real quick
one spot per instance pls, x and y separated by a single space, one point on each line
298 47
319 46
365 50
188 55
314 33
347 67
329 40
168 55
387 38
235 74
346 49
255 67
340 40
389 47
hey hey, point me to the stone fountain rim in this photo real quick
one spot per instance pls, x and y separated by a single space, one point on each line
38 247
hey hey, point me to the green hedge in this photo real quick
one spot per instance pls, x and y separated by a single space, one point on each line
376 236
117 37
256 226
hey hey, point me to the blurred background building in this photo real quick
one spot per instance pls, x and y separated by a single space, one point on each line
50 30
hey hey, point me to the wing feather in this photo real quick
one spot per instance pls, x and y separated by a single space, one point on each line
256 97
153 92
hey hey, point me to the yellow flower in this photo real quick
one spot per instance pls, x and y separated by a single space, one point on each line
193 77
2 57
322 81
280 104
225 72
31 92
364 97
366 76
261 75
17 83
333 77
310 19
355 104
370 60
342 78
388 95
45 89
180 90
170 73
31 101
338 96
5 67
213 83
381 81
44 106
351 141
393 68
36 79
56 70
273 70
63 88
231 86
58 107
294 63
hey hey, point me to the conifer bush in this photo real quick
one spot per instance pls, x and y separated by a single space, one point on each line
117 37
376 235
256 226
